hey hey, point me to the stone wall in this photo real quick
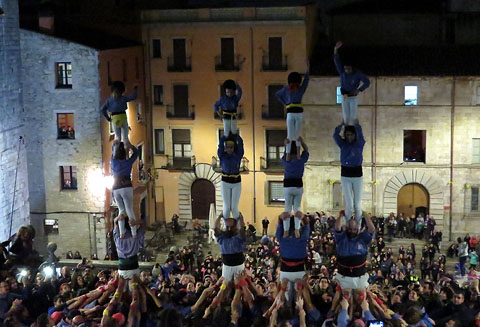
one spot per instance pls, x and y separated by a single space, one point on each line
12 152
43 101
384 118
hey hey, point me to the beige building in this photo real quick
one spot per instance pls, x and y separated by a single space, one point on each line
189 55
422 148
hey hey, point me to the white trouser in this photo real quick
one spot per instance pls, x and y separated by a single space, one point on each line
294 125
229 273
352 188
349 109
286 223
346 282
124 199
229 126
231 196
121 134
293 198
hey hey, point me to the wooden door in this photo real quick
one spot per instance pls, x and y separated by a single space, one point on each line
410 197
203 194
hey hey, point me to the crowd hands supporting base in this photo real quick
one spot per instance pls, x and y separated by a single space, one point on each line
190 289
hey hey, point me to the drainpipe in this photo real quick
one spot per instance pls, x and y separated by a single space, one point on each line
374 154
252 67
452 133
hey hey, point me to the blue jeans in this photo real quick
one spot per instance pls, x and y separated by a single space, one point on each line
352 188
294 126
349 109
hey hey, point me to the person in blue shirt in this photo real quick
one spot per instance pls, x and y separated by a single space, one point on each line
291 97
122 188
230 152
116 104
293 251
350 80
293 186
351 250
232 244
351 158
226 106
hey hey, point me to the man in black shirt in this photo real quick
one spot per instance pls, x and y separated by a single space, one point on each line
265 223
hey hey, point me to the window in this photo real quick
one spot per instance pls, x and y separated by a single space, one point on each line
159 141
414 145
124 70
475 151
158 94
337 196
226 61
139 112
141 167
64 75
65 127
411 94
179 62
50 226
274 60
180 101
68 175
275 147
182 149
339 95
275 191
474 199
157 49
275 109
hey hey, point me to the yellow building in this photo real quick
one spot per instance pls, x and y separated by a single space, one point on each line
189 54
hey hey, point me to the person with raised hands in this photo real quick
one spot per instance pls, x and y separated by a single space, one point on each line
351 250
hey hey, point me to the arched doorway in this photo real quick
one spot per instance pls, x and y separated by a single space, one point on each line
203 194
413 199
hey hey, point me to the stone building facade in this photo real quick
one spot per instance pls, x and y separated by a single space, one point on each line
13 164
445 110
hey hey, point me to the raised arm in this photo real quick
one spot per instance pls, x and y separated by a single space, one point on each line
240 149
339 223
221 147
370 225
279 233
336 135
135 154
239 93
217 225
241 225
305 81
336 58
132 96
358 130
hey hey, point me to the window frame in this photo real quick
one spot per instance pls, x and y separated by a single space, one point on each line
159 56
279 151
63 80
58 126
155 140
155 93
472 198
475 140
62 178
415 101
339 95
425 150
270 199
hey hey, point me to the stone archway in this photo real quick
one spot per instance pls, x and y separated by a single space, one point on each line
185 182
415 176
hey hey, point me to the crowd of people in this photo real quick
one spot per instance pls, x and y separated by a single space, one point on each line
191 289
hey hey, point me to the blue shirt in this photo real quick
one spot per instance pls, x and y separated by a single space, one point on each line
124 167
295 168
285 96
128 246
228 104
351 154
350 247
119 104
230 163
231 245
292 247
350 82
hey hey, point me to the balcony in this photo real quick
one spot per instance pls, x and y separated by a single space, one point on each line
180 163
186 113
181 65
271 165
227 65
243 166
239 113
275 66
273 113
